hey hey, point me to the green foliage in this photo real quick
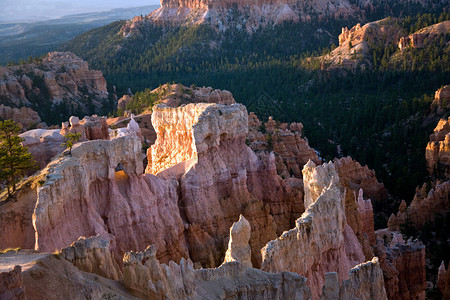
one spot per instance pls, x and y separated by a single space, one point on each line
14 158
71 139
142 101
375 116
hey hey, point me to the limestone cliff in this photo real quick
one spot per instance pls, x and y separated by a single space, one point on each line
321 241
425 36
61 78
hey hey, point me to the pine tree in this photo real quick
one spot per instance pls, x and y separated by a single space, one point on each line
14 158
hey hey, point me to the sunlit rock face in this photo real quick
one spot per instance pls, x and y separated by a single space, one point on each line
238 247
321 241
220 177
248 15
100 189
438 150
189 131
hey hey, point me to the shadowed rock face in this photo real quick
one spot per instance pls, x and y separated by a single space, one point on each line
11 284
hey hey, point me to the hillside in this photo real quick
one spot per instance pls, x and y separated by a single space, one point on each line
21 40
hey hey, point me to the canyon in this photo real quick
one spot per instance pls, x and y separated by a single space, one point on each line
210 212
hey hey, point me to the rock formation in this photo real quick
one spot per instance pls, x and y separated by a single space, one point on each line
438 150
355 43
444 280
358 177
425 36
60 77
322 241
403 268
238 247
246 14
442 100
365 282
203 146
11 285
47 276
291 149
44 144
24 116
94 256
145 277
101 186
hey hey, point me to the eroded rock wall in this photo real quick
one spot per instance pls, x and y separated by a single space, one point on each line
322 241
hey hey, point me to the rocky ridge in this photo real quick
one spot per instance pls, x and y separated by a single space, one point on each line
247 15
60 78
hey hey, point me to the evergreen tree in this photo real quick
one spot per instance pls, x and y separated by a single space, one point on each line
14 158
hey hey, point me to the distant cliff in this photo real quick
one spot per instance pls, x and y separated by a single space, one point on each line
59 85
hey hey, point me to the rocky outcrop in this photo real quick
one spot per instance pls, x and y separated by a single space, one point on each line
441 100
444 281
238 247
47 276
248 15
403 267
365 282
44 144
24 116
101 185
94 256
321 241
358 177
438 150
425 36
61 77
203 146
145 277
355 43
291 149
11 285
